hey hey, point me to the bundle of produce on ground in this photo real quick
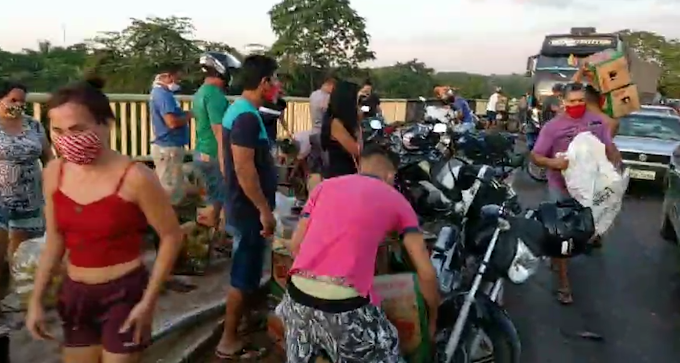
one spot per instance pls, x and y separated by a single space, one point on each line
23 267
194 257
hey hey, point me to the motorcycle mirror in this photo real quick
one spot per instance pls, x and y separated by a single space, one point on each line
375 124
422 99
440 128
365 109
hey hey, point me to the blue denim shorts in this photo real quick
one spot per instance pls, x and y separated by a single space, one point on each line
31 222
212 177
248 253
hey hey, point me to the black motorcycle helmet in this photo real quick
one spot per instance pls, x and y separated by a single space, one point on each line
221 65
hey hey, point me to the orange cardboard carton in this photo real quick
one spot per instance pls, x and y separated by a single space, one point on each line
611 74
405 308
622 102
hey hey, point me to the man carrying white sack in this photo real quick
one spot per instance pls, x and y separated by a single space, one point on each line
553 140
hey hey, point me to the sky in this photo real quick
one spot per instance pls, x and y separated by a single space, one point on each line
477 36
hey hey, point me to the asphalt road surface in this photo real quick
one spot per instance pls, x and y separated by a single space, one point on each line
628 292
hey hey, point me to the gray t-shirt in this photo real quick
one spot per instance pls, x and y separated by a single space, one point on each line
318 102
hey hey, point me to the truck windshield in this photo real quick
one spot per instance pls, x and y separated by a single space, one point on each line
554 62
650 126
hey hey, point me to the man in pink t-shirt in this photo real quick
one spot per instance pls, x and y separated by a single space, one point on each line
330 305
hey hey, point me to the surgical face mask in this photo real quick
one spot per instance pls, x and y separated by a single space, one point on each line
173 87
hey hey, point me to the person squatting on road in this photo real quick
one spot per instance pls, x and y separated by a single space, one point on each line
107 300
171 126
340 131
555 138
251 186
210 104
23 145
330 305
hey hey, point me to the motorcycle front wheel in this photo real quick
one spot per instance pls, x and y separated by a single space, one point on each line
494 347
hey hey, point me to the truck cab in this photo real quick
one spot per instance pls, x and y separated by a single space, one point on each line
560 56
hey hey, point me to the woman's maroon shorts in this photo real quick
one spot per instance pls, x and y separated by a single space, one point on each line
94 314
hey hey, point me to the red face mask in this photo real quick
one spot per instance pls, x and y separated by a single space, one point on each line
273 93
576 111
81 148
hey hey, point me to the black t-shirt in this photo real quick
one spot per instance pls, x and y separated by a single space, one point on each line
271 119
546 109
246 131
340 162
372 100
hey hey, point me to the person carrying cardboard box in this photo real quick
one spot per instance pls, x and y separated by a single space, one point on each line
330 304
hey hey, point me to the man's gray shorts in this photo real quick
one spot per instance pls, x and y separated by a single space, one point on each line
360 335
557 194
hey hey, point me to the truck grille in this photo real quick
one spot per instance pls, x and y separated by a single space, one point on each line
661 159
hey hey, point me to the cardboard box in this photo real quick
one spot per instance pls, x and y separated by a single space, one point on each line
622 101
405 308
610 75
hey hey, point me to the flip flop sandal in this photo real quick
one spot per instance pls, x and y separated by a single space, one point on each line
247 353
565 297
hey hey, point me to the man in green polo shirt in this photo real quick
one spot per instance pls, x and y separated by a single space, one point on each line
210 104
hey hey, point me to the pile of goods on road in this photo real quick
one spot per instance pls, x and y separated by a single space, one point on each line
23 266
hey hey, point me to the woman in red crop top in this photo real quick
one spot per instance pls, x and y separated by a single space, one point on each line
98 205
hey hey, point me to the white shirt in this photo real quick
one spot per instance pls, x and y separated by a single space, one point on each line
305 145
493 102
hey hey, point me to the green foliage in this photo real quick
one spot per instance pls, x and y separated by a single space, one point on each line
664 51
315 37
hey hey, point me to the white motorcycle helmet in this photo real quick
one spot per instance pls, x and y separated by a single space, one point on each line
224 64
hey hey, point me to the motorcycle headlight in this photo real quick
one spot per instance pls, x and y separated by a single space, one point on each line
445 139
523 265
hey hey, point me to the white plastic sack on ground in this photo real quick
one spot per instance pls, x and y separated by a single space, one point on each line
24 265
593 181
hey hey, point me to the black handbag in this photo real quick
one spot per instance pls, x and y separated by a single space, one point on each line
569 227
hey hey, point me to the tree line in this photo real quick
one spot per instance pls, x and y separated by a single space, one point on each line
335 41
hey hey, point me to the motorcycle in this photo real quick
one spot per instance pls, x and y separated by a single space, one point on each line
471 264
536 172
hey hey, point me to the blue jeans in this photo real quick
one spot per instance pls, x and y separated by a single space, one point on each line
531 139
248 254
209 171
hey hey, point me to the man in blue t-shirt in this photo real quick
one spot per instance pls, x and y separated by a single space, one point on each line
251 186
170 126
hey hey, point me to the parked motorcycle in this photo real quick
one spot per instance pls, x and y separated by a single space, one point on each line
472 264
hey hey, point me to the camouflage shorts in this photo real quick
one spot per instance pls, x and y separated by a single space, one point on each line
360 335
168 163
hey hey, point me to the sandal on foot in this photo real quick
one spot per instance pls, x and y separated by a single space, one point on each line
248 352
564 296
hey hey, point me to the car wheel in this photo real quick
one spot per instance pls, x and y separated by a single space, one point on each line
667 232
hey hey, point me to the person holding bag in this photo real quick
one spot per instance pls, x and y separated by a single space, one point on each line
553 141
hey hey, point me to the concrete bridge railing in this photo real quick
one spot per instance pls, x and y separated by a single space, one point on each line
132 134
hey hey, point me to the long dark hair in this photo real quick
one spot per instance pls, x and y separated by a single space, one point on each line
342 106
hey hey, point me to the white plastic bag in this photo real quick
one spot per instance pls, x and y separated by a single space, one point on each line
593 181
